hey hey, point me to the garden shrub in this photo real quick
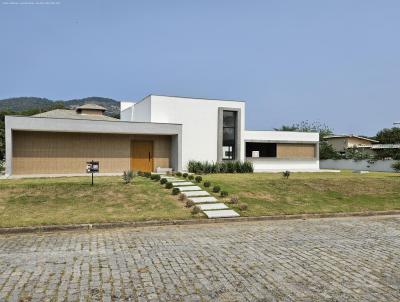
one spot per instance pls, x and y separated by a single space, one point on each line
163 181
182 197
140 173
195 210
175 191
127 176
243 206
147 174
207 184
216 189
179 174
155 177
223 194
190 177
168 185
189 203
184 175
234 200
286 174
396 166
199 167
198 179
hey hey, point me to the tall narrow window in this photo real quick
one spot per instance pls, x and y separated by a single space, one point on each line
229 135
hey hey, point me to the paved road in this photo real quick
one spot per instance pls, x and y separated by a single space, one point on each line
356 259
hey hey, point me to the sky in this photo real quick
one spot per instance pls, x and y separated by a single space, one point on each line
333 62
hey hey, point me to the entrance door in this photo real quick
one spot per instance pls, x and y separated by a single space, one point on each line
142 156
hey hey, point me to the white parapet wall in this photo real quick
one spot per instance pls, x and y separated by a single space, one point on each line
359 165
278 165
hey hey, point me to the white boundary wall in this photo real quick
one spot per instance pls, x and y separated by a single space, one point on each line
360 165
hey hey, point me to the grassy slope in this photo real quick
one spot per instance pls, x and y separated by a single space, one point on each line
73 200
268 194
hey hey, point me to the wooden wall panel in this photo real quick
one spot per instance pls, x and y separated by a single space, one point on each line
63 153
295 151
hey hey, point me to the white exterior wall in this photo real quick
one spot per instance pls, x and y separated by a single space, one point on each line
359 165
127 110
282 136
199 119
277 165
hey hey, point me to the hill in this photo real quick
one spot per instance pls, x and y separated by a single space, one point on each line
21 104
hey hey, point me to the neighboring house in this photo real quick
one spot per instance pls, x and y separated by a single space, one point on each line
157 132
342 142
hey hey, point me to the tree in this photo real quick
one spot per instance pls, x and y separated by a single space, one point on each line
326 151
306 126
389 136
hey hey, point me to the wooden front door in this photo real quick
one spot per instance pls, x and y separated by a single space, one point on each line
142 156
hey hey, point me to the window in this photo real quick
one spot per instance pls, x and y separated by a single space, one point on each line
263 149
229 135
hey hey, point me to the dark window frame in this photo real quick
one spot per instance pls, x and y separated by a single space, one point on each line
267 150
234 128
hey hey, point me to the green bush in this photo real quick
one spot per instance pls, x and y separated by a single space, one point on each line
184 175
243 206
179 174
140 173
198 179
216 189
175 191
199 167
127 176
224 193
190 177
155 177
195 210
189 203
182 197
286 174
207 184
168 185
163 181
147 174
396 166
234 200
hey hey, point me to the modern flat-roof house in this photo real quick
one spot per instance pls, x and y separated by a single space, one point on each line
155 133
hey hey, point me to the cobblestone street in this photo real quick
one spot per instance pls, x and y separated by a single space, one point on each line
300 260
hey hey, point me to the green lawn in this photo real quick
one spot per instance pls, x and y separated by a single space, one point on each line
270 193
43 201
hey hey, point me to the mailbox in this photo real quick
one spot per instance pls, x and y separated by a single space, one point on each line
92 167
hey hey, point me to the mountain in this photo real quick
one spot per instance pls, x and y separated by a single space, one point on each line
21 104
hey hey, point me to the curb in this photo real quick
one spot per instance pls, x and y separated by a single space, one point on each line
87 226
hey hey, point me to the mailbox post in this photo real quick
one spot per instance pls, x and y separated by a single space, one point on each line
92 167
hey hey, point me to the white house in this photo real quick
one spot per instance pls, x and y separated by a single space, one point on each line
157 132
214 130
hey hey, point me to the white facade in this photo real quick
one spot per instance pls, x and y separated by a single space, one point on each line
202 130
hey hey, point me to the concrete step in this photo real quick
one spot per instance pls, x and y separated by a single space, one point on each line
189 188
212 206
196 193
203 199
182 183
221 214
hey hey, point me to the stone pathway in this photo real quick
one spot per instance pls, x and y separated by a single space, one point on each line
341 259
207 203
